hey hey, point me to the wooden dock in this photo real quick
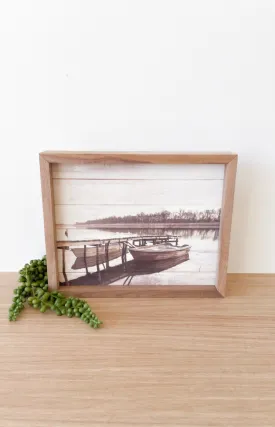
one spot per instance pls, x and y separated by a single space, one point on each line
97 259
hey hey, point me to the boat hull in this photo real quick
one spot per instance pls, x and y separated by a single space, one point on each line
90 258
159 254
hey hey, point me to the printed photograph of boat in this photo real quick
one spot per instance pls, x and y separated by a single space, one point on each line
134 224
158 252
89 255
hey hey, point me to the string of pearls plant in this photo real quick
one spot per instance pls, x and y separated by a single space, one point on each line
34 291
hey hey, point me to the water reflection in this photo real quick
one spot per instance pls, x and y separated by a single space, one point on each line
126 272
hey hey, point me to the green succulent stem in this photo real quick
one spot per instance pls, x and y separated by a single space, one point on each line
33 289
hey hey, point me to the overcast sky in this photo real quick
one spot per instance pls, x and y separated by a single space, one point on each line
195 197
88 194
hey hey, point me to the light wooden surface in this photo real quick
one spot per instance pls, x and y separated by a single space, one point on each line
157 362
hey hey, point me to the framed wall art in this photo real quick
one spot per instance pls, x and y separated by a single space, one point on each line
138 224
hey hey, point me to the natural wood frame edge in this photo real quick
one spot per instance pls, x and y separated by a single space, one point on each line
47 158
167 291
138 157
49 221
226 221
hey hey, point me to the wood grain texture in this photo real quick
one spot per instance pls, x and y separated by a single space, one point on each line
49 221
136 291
138 157
137 171
226 219
133 192
169 362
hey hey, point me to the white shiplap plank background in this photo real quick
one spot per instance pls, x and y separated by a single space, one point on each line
134 192
137 171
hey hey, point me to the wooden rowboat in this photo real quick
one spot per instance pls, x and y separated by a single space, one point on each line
158 252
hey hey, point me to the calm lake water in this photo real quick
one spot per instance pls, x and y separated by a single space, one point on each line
200 269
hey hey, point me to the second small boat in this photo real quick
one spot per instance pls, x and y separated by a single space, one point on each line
158 252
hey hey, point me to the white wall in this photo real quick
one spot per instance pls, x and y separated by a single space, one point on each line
159 75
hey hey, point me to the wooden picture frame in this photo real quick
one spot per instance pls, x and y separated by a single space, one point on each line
50 158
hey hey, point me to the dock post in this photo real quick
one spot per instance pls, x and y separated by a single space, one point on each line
97 264
64 267
123 254
85 260
107 253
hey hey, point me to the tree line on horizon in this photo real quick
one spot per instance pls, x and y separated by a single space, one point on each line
182 216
